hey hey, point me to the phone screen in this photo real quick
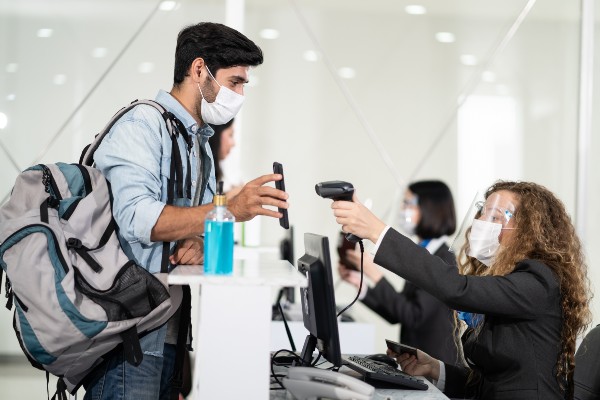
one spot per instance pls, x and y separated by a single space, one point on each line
278 169
343 246
400 348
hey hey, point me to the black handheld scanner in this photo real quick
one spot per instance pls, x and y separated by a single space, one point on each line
337 190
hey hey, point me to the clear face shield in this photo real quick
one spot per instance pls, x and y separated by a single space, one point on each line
407 215
482 226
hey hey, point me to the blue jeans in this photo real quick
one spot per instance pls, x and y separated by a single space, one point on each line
116 379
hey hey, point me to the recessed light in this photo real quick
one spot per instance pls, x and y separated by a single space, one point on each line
488 76
445 37
11 97
60 79
44 33
269 33
12 67
99 52
347 73
311 55
146 67
415 9
468 60
3 120
167 5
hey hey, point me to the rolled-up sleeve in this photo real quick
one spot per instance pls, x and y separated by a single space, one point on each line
130 159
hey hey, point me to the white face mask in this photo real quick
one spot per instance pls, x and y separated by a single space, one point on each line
483 241
224 108
407 221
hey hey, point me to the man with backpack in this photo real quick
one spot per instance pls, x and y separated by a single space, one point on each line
211 68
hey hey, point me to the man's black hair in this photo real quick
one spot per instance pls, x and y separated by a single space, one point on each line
219 45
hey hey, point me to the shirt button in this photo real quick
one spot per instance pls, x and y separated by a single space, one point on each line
193 183
194 153
194 128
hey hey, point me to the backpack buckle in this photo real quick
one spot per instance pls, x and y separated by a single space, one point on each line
74 243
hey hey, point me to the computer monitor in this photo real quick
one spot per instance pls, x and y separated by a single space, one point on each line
286 249
318 301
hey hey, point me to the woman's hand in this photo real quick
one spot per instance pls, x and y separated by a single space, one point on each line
355 218
371 270
421 365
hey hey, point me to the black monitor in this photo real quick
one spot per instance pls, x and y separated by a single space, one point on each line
286 250
318 301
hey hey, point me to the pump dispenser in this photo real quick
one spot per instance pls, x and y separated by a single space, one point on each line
218 237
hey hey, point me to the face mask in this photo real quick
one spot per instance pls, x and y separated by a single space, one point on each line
407 223
483 241
224 108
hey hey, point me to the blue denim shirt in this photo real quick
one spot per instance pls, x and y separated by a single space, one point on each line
135 157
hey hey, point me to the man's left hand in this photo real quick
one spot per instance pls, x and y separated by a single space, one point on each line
188 252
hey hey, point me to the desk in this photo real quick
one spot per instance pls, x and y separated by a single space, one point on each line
432 393
233 308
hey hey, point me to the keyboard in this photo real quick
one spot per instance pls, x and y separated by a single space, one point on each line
376 371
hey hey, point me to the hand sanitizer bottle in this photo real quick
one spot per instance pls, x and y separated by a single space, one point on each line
218 237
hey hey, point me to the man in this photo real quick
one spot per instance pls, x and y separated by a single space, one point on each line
211 68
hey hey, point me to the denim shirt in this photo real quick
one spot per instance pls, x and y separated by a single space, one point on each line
135 157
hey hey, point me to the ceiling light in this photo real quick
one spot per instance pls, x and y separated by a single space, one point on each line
11 97
445 37
12 67
44 33
99 52
415 9
347 73
3 120
167 5
311 55
269 33
488 76
468 60
146 67
60 79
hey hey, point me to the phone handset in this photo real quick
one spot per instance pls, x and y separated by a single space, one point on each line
307 383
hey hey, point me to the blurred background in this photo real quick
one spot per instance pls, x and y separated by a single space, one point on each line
376 93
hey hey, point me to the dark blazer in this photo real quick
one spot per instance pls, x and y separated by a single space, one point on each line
514 354
427 323
587 367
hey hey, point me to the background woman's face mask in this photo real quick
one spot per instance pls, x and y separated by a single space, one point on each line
484 241
225 107
407 221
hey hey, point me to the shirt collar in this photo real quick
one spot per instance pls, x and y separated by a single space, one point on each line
172 105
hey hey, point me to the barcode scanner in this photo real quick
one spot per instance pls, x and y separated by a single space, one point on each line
337 190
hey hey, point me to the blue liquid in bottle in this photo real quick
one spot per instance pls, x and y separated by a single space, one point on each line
218 247
218 237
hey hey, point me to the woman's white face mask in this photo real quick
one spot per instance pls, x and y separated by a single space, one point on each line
484 241
407 221
225 107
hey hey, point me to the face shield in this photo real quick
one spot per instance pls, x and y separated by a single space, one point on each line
407 215
483 223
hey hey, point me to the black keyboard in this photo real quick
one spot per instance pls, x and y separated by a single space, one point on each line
378 371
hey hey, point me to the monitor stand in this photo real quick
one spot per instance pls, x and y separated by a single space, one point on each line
310 344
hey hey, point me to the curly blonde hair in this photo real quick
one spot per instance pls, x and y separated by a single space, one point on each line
544 232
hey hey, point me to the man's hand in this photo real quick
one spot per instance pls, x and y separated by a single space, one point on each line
188 252
250 201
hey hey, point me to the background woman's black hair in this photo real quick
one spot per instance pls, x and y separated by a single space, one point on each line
215 146
438 217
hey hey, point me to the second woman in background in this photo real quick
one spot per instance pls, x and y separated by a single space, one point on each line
426 323
221 144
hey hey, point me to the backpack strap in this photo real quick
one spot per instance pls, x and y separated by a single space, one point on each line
176 179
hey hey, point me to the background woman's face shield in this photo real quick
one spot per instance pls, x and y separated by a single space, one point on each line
496 209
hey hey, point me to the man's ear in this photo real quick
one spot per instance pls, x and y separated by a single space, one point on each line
196 69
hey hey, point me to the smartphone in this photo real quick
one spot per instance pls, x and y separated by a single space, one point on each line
400 348
278 169
343 246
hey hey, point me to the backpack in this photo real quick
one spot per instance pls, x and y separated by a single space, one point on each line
77 296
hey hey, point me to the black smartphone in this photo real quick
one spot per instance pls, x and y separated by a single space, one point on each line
278 169
343 246
400 348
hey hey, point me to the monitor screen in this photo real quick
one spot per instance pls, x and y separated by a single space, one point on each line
318 301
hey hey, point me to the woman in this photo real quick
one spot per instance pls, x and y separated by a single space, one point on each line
522 279
426 323
221 144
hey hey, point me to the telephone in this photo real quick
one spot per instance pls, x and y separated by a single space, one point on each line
306 383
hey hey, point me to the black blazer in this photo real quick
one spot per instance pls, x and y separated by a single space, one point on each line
514 354
427 323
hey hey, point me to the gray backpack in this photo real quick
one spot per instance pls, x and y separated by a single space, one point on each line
76 294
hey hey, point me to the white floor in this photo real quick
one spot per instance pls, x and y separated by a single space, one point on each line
19 380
